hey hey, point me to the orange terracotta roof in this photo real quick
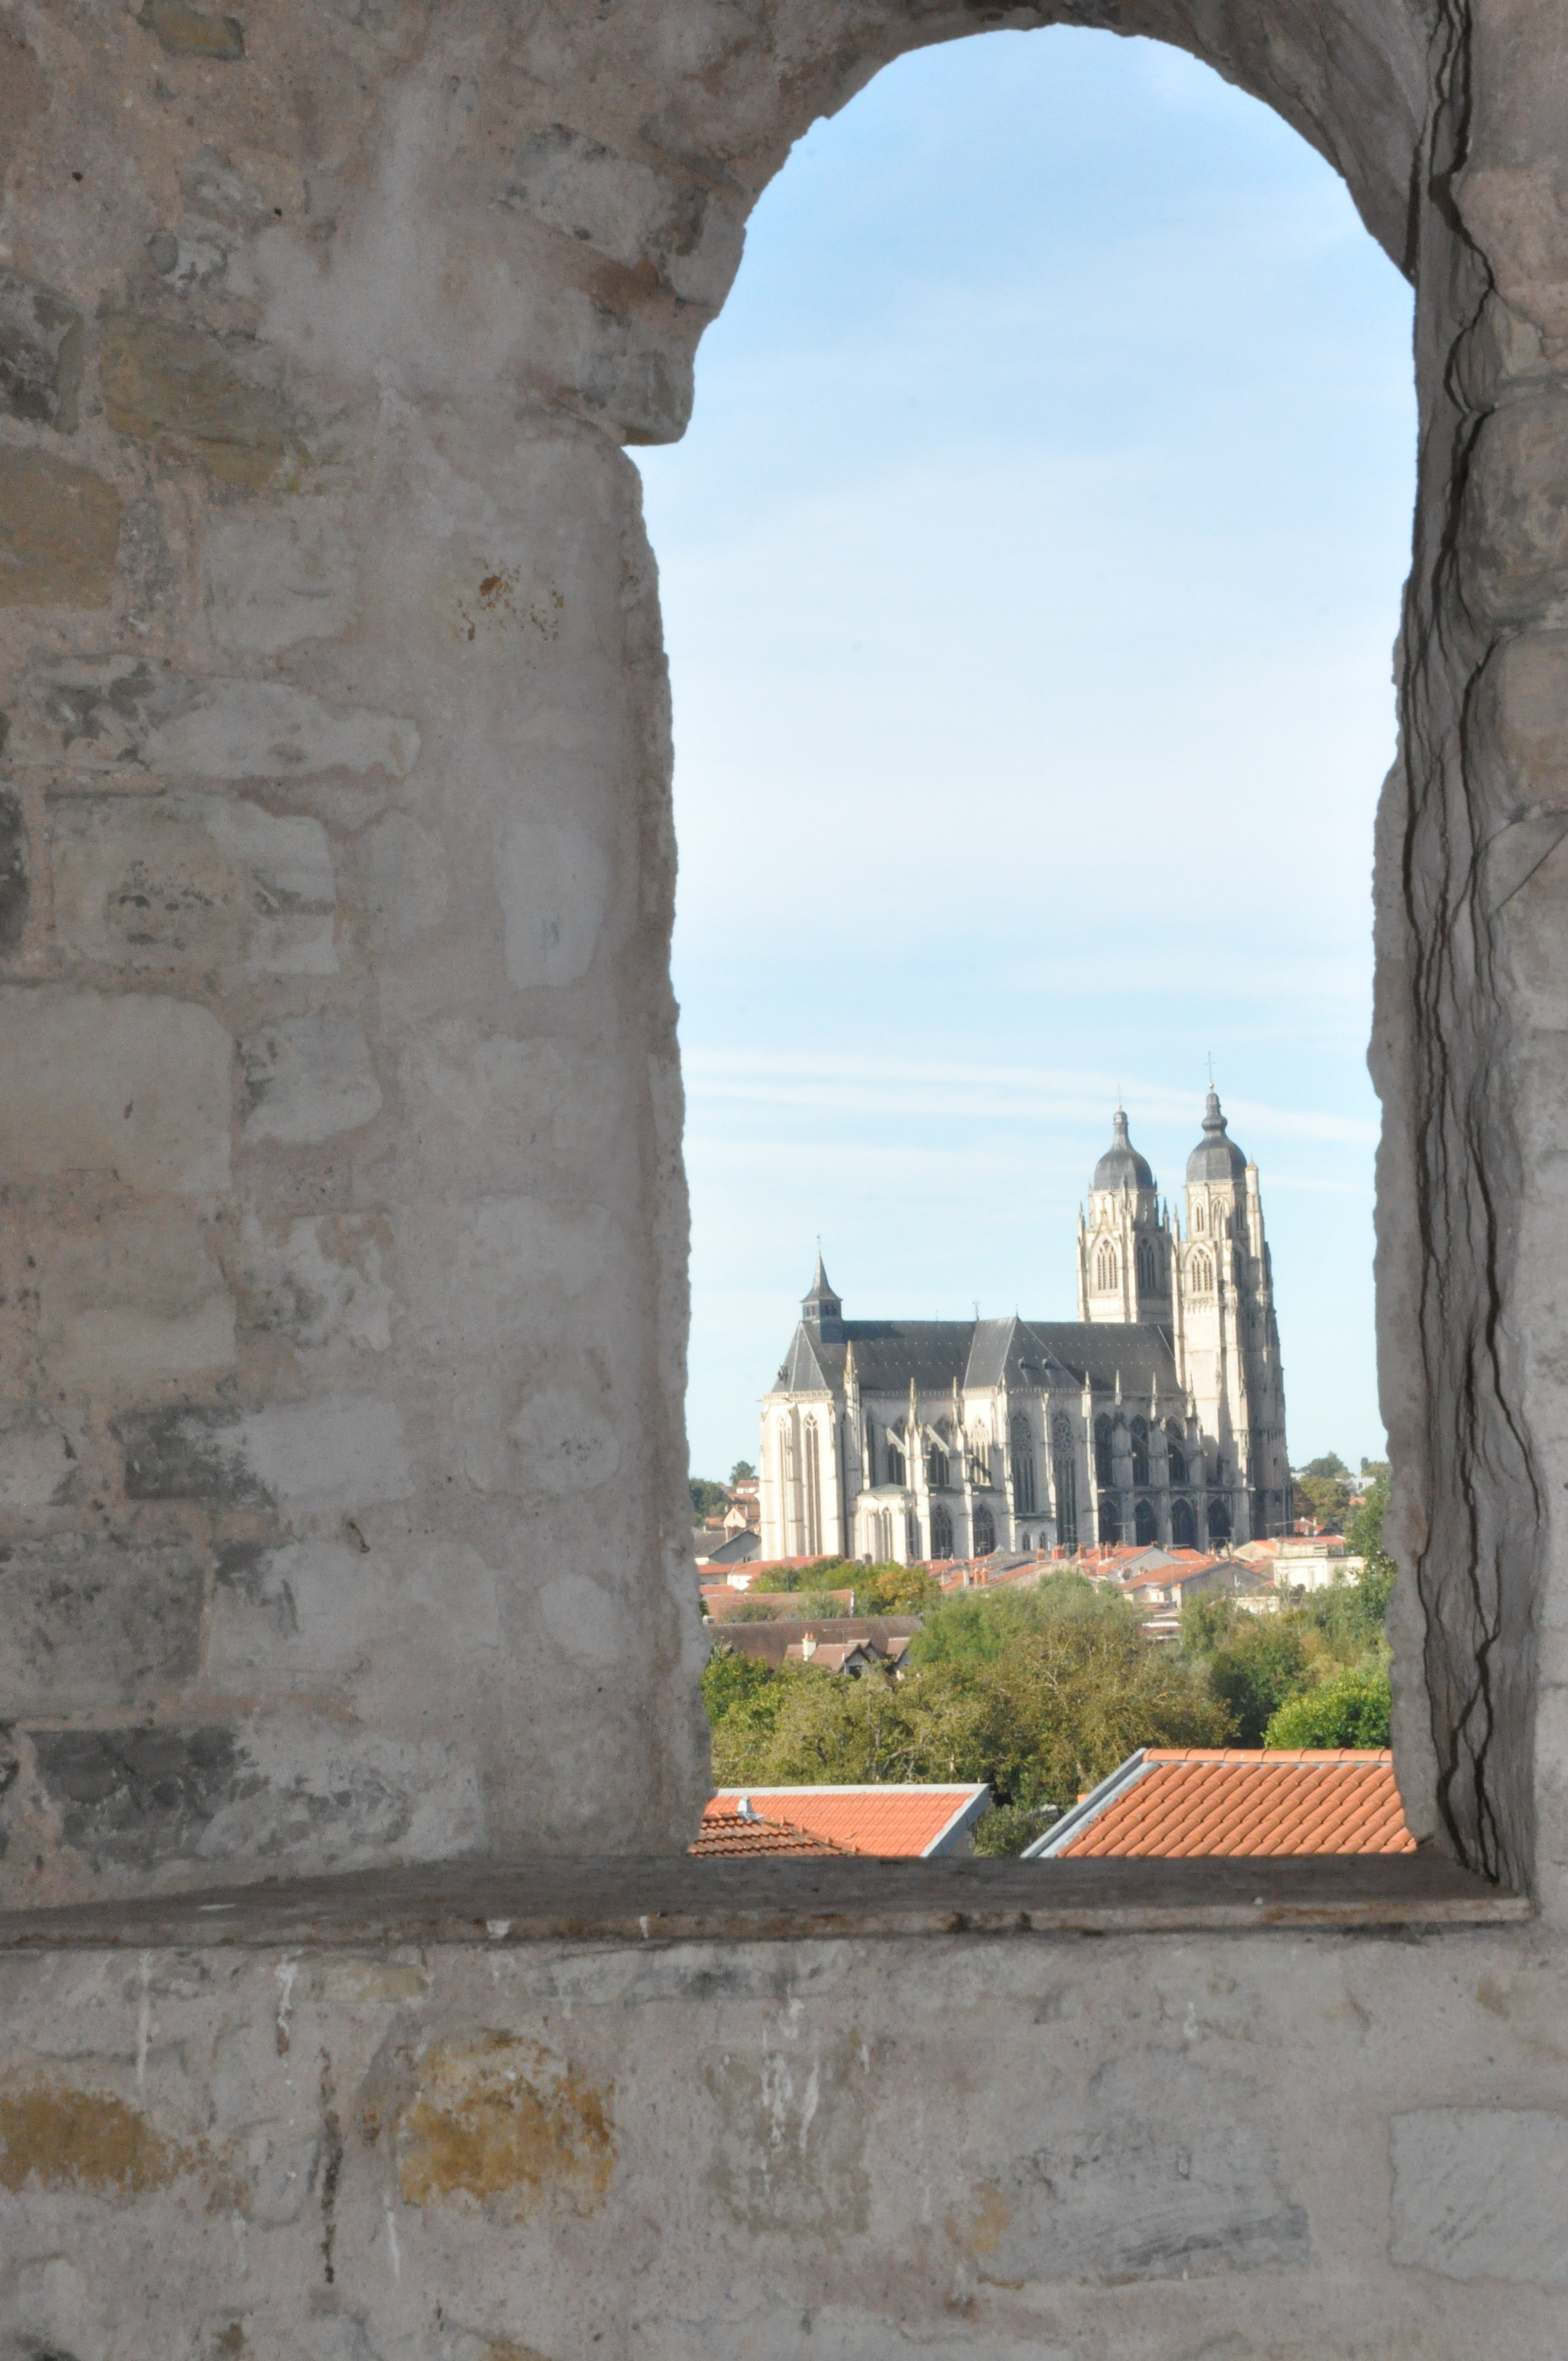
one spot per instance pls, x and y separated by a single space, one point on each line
886 1822
727 1836
1170 1803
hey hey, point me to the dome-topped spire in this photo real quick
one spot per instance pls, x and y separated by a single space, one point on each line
1216 1156
1121 1166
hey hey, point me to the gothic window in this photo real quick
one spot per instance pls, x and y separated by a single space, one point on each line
1065 1469
1183 1525
1140 1451
1023 1468
1110 1520
912 1536
871 1455
1103 1451
1219 1520
1104 1266
1143 1528
937 1471
980 1466
813 1490
1202 1275
1145 1265
895 1462
941 1532
1198 1217
984 1531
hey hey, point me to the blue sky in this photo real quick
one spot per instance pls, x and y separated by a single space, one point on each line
1031 570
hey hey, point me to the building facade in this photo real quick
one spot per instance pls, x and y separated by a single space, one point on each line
1157 1415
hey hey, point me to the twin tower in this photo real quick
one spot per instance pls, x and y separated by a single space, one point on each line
1157 1415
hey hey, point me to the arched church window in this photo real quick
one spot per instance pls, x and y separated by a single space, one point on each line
1219 1520
1143 1528
1183 1525
1176 1462
1140 1451
1023 1468
1200 1218
1103 1451
941 1532
895 1462
1104 1266
937 1470
1110 1520
813 1504
1061 1432
1145 1265
1202 1273
984 1530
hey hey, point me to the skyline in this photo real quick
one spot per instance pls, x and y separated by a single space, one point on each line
1031 570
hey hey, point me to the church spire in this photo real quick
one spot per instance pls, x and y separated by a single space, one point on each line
820 1308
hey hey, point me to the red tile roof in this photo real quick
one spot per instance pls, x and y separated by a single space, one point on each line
729 1836
886 1822
1168 1803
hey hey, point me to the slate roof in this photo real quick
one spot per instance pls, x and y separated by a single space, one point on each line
1216 1157
770 1644
935 1353
1171 1803
886 1823
1121 1164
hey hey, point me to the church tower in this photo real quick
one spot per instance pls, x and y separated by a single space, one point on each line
1227 1340
1123 1243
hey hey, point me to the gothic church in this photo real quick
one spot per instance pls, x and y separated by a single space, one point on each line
1157 1415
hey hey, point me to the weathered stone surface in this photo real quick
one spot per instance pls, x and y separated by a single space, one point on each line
188 880
340 1449
136 1089
186 32
47 2307
129 1797
15 890
627 212
319 1285
213 392
554 882
290 1618
41 354
307 1079
498 2124
405 880
38 1465
86 1620
1479 2192
60 532
94 717
276 580
131 1299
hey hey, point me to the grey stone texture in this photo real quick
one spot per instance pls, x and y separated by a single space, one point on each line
342 1232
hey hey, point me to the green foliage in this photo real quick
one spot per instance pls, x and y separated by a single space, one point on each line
1348 1616
1006 1828
742 1472
1264 1662
1326 1498
1365 1533
1351 1708
756 1611
1330 1464
1041 1702
732 1680
1375 1467
708 1500
1207 1621
820 1573
895 1590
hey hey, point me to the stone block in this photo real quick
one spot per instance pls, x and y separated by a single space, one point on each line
297 1617
1481 2193
88 1620
41 354
754 2328
337 1452
554 880
163 376
60 532
129 1797
136 1089
109 716
318 1285
405 880
1514 524
15 891
627 210
186 32
134 1298
498 2122
275 579
188 880
327 1795
565 1443
46 2307
38 1467
307 1079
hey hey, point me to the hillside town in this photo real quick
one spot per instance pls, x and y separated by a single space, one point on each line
1052 1557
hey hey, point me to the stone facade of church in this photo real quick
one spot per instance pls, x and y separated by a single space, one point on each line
1157 1415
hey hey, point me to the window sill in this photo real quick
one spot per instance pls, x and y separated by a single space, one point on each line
680 1900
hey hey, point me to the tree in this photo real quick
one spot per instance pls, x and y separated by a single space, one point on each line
1330 1464
709 1499
742 1472
1324 1498
1207 1621
896 1590
1351 1709
1263 1663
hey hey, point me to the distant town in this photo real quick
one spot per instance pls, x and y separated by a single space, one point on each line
1015 1568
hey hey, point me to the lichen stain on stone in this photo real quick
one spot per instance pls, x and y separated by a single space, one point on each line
992 2215
498 2124
57 2137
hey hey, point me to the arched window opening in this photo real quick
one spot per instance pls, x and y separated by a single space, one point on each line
984 1530
1064 1476
1140 1451
1104 1266
941 1531
812 1519
1199 1219
937 1469
1110 1521
871 1455
1145 1528
1147 1280
1202 1275
1183 1525
895 1462
1023 1468
1103 1454
1219 1519
1175 1455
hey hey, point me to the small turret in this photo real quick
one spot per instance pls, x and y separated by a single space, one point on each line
821 1308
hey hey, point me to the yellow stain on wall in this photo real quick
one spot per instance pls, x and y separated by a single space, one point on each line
500 2124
